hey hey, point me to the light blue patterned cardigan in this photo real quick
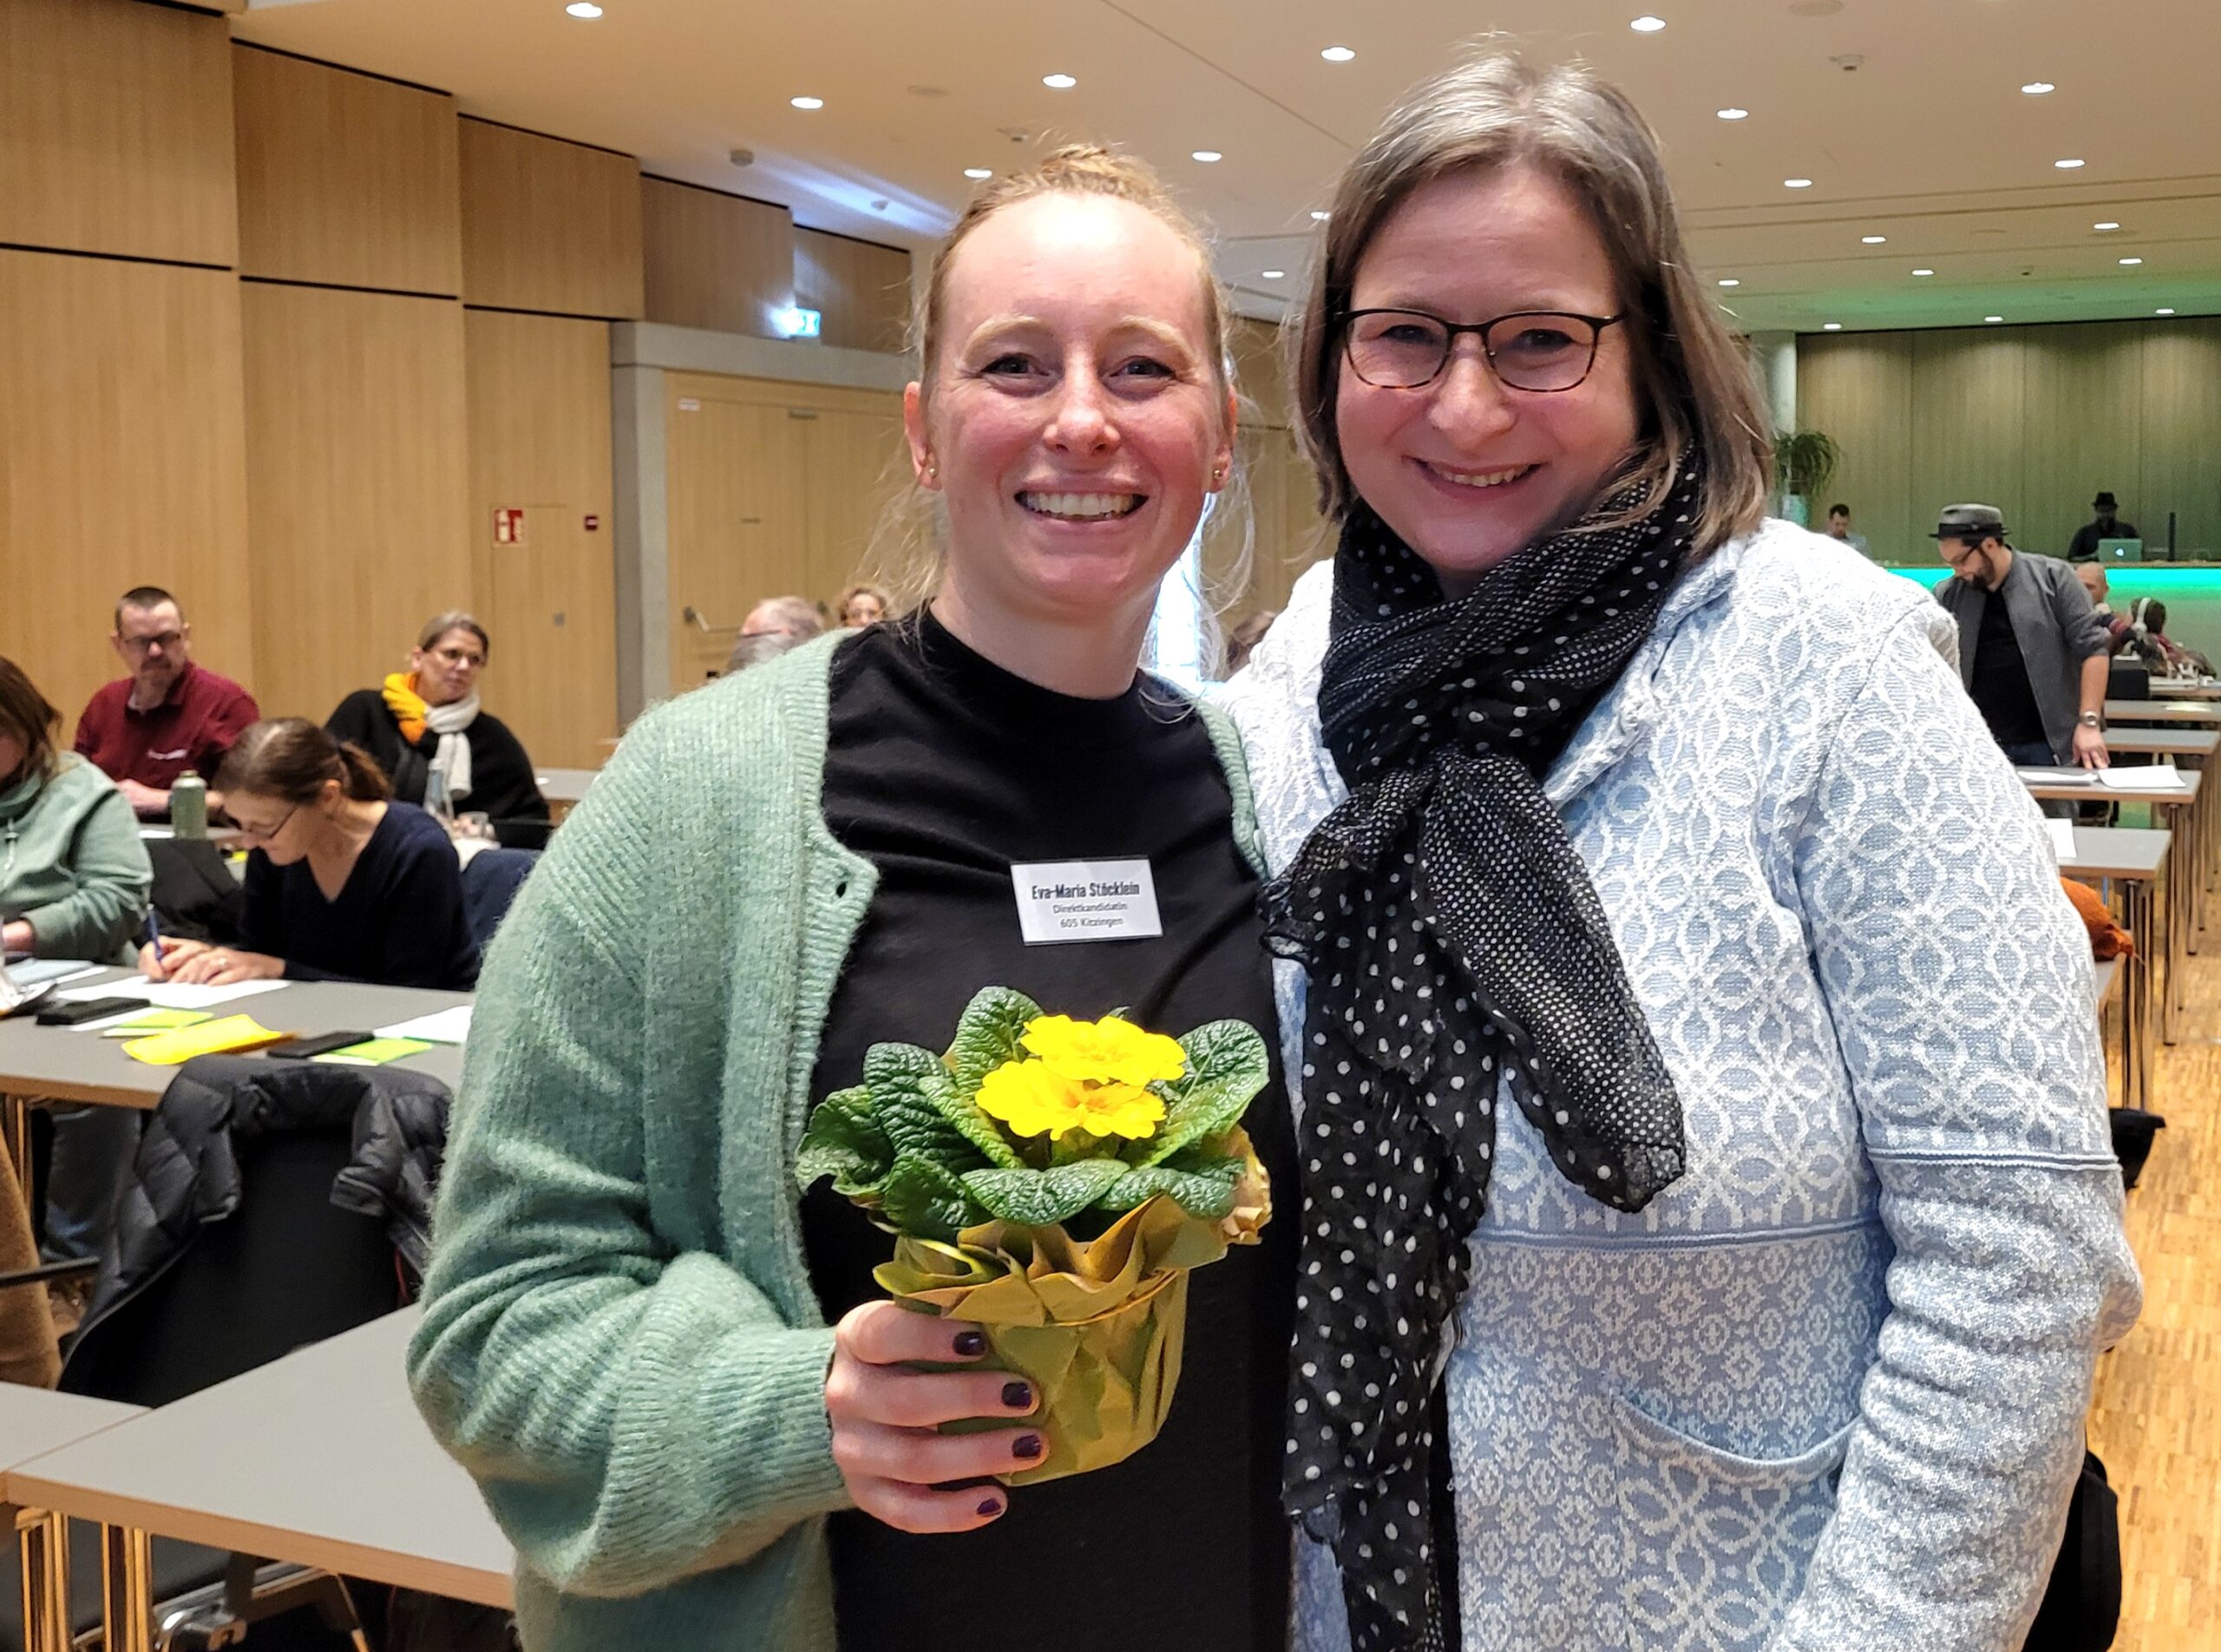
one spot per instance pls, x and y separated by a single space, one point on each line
1826 1393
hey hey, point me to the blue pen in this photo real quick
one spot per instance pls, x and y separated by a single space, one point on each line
153 932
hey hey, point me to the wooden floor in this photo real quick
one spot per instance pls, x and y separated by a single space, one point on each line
2157 1419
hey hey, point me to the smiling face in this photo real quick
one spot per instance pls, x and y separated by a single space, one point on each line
1466 470
1074 423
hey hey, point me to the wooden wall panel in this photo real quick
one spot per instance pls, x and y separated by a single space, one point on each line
853 465
715 261
2181 427
863 289
115 131
1968 414
120 462
2082 431
539 410
547 224
344 179
358 497
1256 347
2033 420
1858 388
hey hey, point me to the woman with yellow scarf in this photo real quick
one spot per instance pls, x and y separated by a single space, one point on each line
426 729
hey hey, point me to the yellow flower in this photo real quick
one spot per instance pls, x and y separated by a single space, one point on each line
1110 1051
1035 1101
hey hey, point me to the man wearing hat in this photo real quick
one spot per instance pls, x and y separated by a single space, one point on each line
2032 650
2108 525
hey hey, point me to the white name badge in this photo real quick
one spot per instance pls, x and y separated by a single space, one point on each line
1061 901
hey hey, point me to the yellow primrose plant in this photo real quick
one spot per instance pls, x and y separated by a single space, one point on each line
1055 1181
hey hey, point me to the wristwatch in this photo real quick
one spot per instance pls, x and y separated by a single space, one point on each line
2092 720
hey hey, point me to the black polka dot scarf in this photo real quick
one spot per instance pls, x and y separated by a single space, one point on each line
1456 950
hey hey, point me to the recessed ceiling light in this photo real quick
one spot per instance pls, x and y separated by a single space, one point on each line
1648 24
1320 217
1206 155
2163 312
1924 271
1993 317
1058 82
2132 260
1338 53
583 9
806 102
1275 275
2067 164
1796 183
2037 89
1729 281
2109 224
978 174
1872 240
1832 326
1734 114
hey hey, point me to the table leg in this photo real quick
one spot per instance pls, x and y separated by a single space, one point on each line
2136 992
126 1590
42 1550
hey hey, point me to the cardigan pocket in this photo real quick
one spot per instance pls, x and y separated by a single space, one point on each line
1716 1543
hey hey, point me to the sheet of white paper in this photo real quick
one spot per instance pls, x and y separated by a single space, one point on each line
2063 839
441 1027
32 971
2149 779
175 995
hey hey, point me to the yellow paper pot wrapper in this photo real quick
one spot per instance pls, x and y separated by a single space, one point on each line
1097 1325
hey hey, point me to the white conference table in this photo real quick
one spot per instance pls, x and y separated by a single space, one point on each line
2165 688
563 788
61 1064
319 1459
2202 714
34 1422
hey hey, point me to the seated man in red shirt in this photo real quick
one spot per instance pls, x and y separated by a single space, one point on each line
169 715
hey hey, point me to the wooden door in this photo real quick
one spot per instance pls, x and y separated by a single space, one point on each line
853 464
739 510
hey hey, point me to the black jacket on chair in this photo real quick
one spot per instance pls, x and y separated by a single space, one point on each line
504 786
241 1234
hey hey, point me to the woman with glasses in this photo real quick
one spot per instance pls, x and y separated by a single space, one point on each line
1710 1220
438 745
343 883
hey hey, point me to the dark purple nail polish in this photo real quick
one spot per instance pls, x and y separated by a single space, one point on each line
969 1345
989 1507
1018 1396
1027 1446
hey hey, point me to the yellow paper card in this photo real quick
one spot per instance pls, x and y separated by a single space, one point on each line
149 1022
211 1037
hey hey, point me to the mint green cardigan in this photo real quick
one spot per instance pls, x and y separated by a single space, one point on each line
621 1342
72 865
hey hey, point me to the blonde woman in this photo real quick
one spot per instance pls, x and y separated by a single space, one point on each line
1710 1216
674 1378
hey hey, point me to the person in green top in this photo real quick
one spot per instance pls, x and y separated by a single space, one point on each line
667 1367
74 883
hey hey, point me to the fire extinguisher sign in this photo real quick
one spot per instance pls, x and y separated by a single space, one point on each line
508 525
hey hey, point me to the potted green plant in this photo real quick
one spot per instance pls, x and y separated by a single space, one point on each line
1803 461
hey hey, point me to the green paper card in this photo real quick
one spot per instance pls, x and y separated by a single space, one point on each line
373 1052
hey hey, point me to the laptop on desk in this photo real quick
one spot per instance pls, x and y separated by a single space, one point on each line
2120 550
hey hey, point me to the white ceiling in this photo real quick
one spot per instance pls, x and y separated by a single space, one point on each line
1929 142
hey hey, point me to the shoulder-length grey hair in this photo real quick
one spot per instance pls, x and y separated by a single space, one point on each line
1493 110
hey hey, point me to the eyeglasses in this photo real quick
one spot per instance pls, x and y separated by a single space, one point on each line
458 658
261 836
1530 350
168 640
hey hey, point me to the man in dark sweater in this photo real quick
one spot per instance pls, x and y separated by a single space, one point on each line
2107 525
2032 650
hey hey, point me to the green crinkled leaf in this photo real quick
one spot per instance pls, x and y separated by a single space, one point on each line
1042 1198
987 1034
903 1081
922 1198
1227 1065
1208 1193
844 1141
